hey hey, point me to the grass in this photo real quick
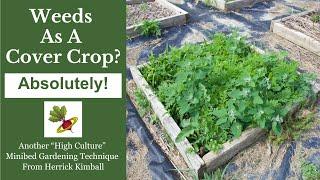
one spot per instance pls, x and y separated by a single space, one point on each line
216 175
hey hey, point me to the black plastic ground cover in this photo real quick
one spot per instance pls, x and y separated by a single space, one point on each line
159 166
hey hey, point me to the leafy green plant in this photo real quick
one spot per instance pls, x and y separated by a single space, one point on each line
293 128
217 89
310 171
143 103
150 28
58 114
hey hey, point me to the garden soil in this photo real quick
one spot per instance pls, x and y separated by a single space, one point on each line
137 13
262 160
305 25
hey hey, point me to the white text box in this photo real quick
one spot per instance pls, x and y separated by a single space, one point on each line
63 85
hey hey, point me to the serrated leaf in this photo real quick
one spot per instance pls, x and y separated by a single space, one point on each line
181 77
56 109
268 110
220 113
236 129
184 133
185 123
195 101
257 100
54 114
221 121
58 114
262 123
235 94
184 107
63 111
242 107
54 119
276 128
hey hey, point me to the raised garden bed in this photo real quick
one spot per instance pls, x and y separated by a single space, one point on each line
129 2
160 11
204 160
302 29
230 5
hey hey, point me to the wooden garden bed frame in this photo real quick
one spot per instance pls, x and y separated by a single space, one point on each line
212 160
179 18
129 2
231 5
295 36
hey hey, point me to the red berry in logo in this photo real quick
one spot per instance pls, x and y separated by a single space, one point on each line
67 124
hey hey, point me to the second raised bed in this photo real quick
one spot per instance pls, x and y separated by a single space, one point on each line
300 29
230 5
177 17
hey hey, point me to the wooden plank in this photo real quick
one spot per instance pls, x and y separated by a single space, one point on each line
130 2
179 18
294 15
171 6
214 160
238 4
133 31
176 20
231 5
178 1
296 37
219 4
193 160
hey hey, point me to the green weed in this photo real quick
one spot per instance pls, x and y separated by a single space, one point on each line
150 28
218 89
216 175
143 103
293 128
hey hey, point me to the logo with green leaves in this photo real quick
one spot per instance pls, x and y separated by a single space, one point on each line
58 114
